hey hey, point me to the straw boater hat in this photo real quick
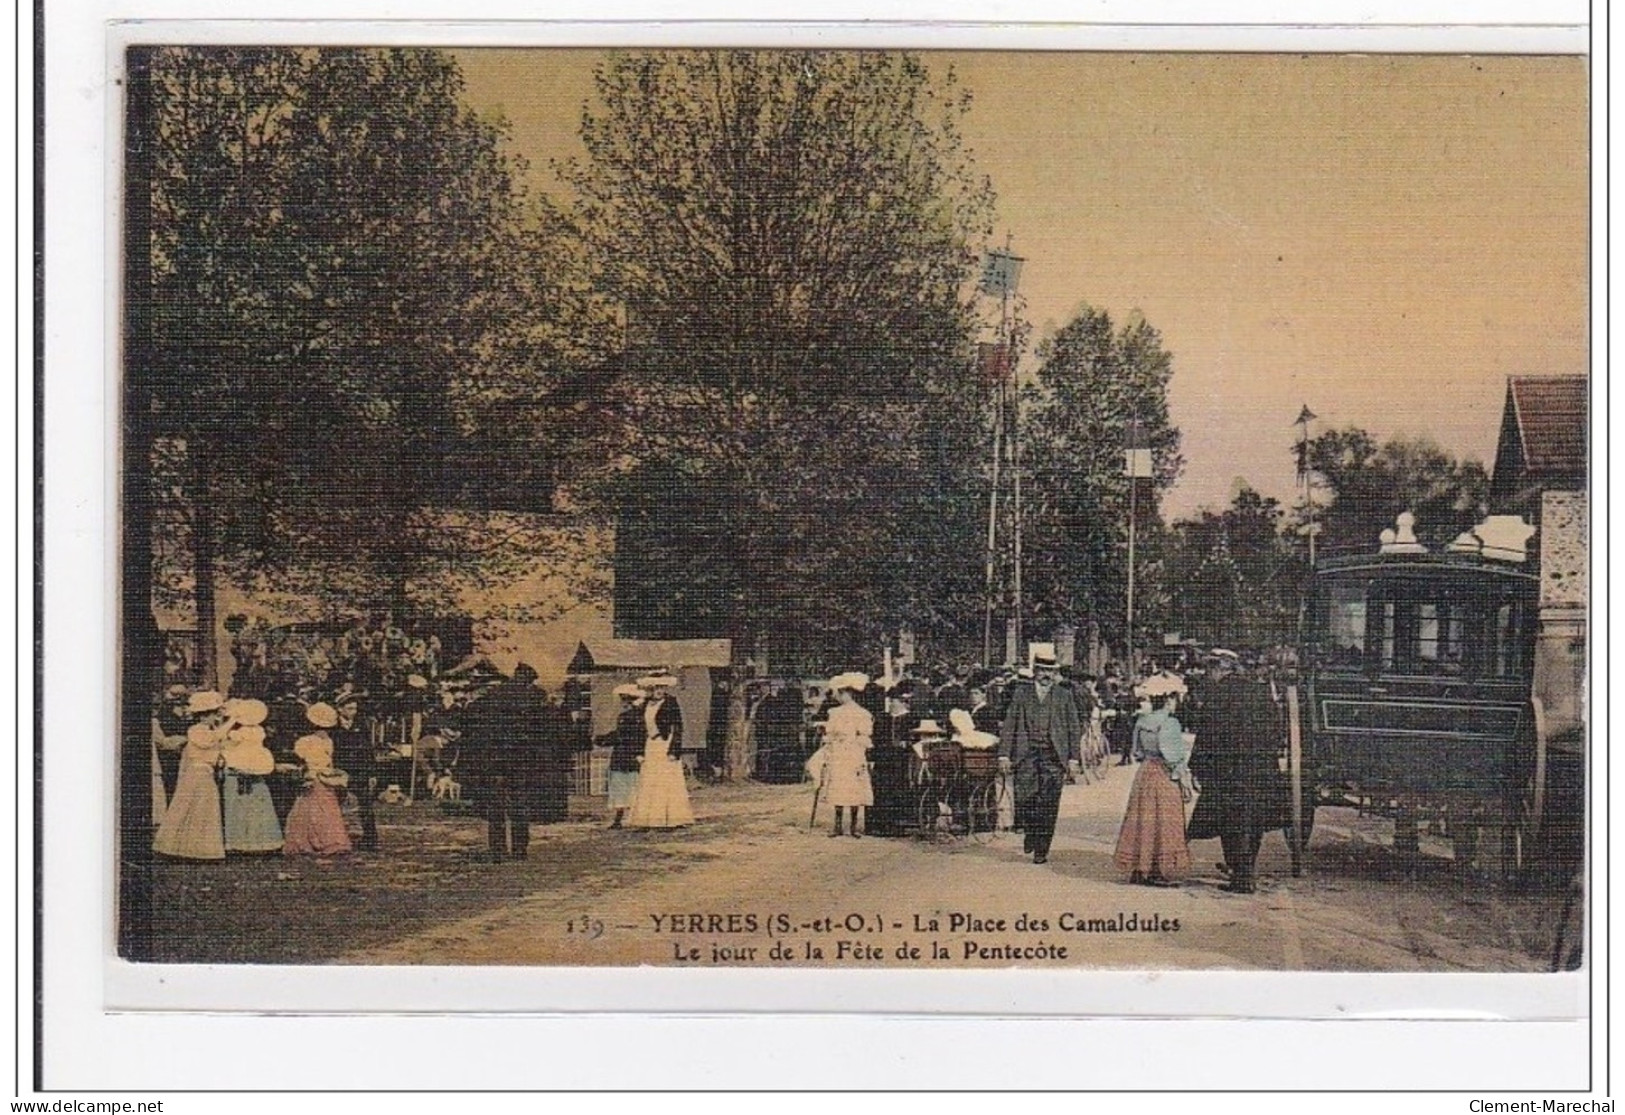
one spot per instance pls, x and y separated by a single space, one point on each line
417 681
205 701
929 728
653 681
322 715
245 751
1044 661
852 679
628 690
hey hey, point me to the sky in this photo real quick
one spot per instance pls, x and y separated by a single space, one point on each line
1382 238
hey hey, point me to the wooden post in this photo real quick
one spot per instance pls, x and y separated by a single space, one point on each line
1294 736
1537 800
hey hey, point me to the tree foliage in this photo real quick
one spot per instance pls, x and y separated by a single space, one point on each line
791 234
1235 577
359 317
1367 486
1095 379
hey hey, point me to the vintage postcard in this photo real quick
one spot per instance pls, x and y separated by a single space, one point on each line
853 509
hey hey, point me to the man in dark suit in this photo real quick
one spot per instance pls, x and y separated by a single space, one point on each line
354 755
1238 737
554 769
1039 741
778 732
508 730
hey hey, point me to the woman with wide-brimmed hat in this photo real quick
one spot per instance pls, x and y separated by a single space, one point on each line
1151 845
250 818
661 799
315 823
191 828
626 745
849 733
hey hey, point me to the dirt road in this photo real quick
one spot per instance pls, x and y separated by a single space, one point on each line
751 885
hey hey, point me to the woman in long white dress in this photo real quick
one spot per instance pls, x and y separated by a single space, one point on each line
661 799
848 737
191 828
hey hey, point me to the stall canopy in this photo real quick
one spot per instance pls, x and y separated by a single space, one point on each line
609 662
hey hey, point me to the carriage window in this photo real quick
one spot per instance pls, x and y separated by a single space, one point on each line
1440 645
1389 633
1427 632
1345 626
1505 656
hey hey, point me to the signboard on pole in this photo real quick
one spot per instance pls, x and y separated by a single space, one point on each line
1137 462
1001 271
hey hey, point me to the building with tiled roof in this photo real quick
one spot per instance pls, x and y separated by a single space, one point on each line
1541 467
1543 439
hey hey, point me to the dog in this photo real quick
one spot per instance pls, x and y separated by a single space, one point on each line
445 787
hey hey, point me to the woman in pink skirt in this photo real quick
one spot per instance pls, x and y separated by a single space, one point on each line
315 825
1151 844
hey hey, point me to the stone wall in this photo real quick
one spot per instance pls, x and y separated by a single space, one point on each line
1560 647
1563 550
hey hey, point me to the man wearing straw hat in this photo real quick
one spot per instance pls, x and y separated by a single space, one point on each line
1039 742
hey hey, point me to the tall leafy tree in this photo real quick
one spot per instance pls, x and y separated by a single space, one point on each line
1367 486
1096 382
1234 576
792 234
359 318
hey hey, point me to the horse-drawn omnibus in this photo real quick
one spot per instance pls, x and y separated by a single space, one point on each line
1418 671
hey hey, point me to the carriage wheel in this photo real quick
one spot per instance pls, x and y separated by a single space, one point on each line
1526 805
984 811
928 816
1303 813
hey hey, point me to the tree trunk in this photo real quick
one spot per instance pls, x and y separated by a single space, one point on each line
203 576
738 756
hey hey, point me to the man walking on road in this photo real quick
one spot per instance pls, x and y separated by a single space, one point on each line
507 732
1039 741
1239 731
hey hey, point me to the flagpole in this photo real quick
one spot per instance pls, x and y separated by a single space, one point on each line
1000 270
1015 443
1133 488
1015 468
1305 417
1132 460
993 521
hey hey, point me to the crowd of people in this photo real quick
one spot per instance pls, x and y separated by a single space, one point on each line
318 717
1050 729
267 769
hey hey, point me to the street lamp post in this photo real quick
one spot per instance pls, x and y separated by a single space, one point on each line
1001 270
1136 465
1305 417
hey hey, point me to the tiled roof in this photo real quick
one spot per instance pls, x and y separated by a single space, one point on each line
1551 416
